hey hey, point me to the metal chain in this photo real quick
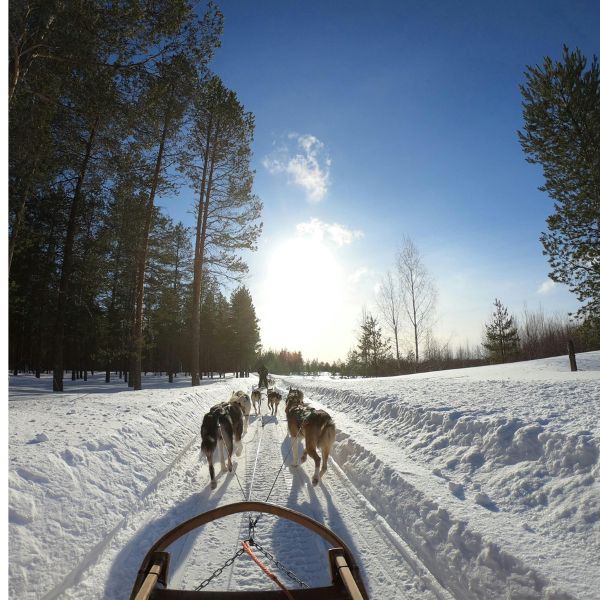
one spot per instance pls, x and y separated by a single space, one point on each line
218 571
280 566
252 524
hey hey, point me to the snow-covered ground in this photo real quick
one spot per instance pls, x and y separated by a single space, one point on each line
474 483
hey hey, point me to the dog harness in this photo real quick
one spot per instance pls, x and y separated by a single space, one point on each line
301 414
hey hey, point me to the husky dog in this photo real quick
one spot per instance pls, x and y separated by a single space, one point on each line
222 426
243 400
294 394
256 400
270 382
273 400
315 426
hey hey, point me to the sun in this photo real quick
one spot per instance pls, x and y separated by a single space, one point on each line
304 294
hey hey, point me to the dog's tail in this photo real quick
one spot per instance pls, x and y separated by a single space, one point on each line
327 436
209 443
208 433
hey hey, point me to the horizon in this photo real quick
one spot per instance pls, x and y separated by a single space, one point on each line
354 149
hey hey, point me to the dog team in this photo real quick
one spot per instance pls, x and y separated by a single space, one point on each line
225 423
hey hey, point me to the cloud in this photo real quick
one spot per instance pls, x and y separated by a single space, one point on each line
357 275
306 165
546 287
334 232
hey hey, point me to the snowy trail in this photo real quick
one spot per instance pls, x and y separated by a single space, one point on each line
182 490
470 484
379 550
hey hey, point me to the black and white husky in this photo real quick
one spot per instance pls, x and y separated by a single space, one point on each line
243 401
222 426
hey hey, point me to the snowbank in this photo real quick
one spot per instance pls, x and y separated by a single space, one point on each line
489 476
80 464
514 449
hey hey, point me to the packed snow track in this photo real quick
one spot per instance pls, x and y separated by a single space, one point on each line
437 497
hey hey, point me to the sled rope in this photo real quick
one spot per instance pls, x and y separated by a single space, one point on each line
255 460
268 573
278 472
278 564
253 522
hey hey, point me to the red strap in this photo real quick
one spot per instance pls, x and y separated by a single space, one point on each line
253 556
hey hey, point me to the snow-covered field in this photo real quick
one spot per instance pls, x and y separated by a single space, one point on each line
474 483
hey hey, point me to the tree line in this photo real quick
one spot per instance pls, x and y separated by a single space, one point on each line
561 133
505 338
111 107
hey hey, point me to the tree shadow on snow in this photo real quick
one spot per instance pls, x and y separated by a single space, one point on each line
124 569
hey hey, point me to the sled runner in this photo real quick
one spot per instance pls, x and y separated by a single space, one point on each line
152 579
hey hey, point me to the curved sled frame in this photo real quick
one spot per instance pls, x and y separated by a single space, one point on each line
346 581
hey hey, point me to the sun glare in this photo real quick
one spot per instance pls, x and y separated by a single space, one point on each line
304 295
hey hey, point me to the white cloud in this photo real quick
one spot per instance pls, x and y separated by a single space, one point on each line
546 287
334 232
306 165
357 275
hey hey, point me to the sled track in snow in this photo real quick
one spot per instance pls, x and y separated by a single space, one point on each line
96 552
388 566
182 489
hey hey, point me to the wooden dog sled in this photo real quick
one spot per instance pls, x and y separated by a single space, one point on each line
152 579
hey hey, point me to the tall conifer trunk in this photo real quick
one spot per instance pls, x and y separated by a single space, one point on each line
67 267
14 234
136 355
201 227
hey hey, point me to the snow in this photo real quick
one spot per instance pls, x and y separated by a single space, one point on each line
472 483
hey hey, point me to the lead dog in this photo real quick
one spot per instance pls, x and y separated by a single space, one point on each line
273 400
256 400
315 426
221 426
243 401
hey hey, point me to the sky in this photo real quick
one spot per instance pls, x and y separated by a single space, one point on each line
376 121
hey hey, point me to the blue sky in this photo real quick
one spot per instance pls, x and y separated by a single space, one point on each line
385 119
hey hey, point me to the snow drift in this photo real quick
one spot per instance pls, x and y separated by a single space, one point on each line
488 476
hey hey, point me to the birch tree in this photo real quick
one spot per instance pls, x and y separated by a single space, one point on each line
389 305
417 293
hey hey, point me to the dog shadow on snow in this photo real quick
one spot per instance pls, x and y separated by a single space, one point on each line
126 564
295 546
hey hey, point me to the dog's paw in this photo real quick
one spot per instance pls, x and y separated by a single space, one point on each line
238 451
213 485
315 480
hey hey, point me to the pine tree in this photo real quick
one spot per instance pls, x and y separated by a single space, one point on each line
501 337
373 348
227 211
561 112
244 327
